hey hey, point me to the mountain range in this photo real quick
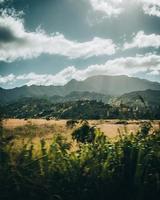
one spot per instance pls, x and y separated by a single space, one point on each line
100 87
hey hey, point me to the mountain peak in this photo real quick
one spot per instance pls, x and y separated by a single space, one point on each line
72 81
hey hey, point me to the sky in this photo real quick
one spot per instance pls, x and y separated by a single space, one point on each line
54 41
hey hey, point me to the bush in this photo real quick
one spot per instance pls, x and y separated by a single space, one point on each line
84 134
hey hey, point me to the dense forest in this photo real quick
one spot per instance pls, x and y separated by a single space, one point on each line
98 168
82 109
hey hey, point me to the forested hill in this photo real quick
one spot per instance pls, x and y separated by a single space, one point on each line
139 98
81 109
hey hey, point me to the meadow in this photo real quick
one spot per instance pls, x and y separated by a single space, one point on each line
110 128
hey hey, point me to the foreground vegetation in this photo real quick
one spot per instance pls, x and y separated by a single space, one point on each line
98 168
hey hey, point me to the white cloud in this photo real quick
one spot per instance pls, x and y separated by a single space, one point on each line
141 40
108 7
151 7
7 79
131 66
116 7
17 43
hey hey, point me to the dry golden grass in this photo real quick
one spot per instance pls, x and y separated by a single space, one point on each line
31 131
13 123
46 128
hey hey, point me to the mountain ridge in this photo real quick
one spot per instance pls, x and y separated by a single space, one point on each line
101 84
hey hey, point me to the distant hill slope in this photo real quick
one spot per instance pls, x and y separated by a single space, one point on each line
86 109
147 97
107 85
43 108
71 97
83 96
79 96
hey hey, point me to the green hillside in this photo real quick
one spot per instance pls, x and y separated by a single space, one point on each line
140 98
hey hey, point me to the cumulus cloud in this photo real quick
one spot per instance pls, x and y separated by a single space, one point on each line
131 66
108 7
116 7
141 40
17 43
151 7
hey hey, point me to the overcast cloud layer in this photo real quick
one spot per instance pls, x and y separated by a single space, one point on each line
45 47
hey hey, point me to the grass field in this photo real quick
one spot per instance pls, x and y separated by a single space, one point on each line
110 128
33 130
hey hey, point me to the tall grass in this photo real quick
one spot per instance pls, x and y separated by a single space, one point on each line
99 169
